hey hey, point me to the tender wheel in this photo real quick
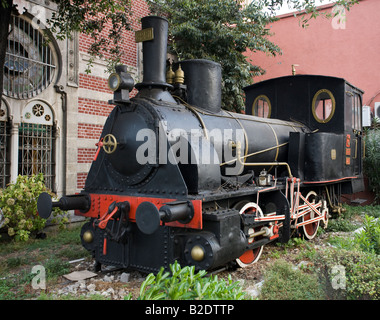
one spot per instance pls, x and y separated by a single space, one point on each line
310 230
250 256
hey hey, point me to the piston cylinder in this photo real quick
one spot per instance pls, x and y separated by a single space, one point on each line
203 79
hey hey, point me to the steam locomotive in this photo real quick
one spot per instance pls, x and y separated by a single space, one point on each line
176 178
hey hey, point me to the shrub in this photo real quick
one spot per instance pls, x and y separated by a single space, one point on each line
340 224
373 211
369 238
372 160
185 284
55 267
18 203
284 282
360 276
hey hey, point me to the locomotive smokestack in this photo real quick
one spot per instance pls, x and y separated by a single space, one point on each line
154 35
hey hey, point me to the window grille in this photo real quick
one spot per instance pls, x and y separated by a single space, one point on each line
4 154
29 63
36 151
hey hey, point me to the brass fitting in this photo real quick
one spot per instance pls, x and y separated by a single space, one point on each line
170 75
179 76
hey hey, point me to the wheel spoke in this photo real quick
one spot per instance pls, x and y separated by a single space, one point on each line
310 230
252 255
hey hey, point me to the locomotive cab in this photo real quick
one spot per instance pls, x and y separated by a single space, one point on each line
332 109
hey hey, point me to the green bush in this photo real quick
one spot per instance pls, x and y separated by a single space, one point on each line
361 274
18 204
185 284
284 282
372 160
369 238
340 224
373 211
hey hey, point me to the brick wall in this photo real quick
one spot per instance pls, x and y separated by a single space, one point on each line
93 108
93 83
81 179
89 131
85 155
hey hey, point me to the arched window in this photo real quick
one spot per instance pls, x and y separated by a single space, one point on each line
262 107
36 142
4 146
323 106
29 65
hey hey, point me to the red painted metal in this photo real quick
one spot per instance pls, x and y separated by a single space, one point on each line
101 202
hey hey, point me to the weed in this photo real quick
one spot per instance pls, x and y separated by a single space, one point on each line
346 243
283 282
369 238
45 296
340 224
185 284
56 267
13 287
360 273
53 253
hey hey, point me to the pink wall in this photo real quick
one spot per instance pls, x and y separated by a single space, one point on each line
352 53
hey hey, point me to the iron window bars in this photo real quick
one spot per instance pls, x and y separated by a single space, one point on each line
29 64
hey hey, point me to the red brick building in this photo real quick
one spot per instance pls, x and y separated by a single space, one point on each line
52 112
346 46
93 96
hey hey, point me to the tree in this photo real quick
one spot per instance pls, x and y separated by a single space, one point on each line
104 21
223 30
96 19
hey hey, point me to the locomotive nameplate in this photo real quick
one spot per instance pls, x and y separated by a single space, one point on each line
144 35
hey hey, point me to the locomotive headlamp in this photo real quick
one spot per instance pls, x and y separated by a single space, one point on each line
114 82
121 83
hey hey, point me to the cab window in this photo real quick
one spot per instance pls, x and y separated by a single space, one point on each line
356 112
323 106
261 107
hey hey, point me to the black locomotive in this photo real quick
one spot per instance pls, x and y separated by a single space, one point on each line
176 177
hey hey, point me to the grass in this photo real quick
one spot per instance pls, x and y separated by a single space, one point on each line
282 280
356 256
53 253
